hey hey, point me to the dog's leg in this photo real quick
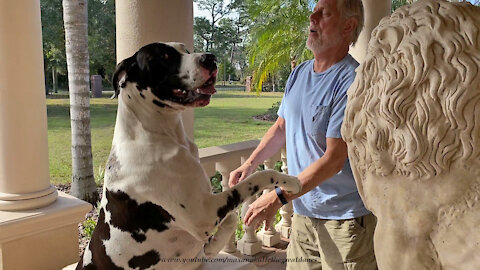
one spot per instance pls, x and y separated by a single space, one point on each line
228 200
222 236
205 216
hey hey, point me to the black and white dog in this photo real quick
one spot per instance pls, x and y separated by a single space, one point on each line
157 210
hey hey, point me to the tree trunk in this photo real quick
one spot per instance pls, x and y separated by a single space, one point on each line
54 79
76 22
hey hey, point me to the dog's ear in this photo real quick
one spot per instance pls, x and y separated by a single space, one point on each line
120 76
151 61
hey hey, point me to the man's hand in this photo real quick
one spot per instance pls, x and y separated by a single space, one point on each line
264 208
240 173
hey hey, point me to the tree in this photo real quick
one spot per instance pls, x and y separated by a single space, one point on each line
53 41
278 35
75 16
398 3
101 38
217 10
221 35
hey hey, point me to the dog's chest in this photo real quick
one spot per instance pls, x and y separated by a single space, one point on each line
132 235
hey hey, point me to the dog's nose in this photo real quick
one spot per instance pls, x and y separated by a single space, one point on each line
208 61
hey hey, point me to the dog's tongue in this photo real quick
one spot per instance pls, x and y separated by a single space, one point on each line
203 101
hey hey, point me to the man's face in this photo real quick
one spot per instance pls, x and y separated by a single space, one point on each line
325 28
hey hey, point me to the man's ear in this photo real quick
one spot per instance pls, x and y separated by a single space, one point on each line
350 25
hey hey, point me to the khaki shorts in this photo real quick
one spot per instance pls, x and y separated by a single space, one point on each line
332 244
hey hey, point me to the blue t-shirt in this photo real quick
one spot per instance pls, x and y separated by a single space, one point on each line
313 108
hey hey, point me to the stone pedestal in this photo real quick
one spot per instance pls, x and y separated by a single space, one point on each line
224 168
249 244
247 248
45 238
268 238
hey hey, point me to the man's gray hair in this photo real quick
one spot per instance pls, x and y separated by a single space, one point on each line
352 8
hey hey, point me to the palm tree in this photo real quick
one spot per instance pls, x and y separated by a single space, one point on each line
278 35
76 22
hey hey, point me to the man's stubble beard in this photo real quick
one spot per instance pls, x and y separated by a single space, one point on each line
320 44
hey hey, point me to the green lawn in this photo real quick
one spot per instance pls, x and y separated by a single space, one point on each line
226 120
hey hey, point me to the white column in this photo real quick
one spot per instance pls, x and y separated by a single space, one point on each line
285 224
374 11
24 176
143 22
38 226
224 168
269 236
249 244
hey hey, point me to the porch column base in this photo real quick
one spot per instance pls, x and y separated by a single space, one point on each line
44 238
269 239
17 202
247 248
284 230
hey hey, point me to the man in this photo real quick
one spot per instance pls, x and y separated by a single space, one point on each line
331 229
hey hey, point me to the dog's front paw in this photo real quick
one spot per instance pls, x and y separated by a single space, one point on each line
288 182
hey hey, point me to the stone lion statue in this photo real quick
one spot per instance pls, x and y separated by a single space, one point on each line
412 125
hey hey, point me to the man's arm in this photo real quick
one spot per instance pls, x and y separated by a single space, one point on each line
270 144
265 207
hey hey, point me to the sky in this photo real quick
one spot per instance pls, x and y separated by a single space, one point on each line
197 12
201 13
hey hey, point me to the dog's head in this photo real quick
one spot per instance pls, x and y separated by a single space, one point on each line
174 77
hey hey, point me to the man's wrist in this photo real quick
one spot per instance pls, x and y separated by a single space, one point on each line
280 196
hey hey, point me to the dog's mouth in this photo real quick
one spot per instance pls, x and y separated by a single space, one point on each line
199 96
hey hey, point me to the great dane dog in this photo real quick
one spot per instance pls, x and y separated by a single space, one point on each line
157 209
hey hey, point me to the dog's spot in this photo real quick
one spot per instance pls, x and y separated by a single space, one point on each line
144 261
178 254
128 216
284 182
183 206
142 95
129 97
91 267
139 237
271 180
207 234
255 190
113 165
158 103
100 259
233 200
